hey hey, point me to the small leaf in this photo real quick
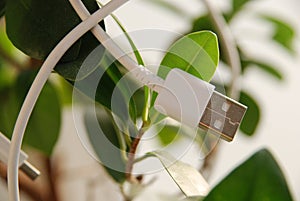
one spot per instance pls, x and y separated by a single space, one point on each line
203 23
169 7
105 142
263 66
237 5
284 34
168 134
252 116
187 178
258 179
44 125
196 53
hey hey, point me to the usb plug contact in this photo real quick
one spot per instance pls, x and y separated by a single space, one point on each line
222 116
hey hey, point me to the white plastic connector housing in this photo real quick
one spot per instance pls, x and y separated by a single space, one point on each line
184 97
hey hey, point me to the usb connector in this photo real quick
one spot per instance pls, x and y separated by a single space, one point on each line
222 116
195 103
24 165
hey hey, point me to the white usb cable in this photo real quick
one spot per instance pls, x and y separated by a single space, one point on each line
181 96
37 85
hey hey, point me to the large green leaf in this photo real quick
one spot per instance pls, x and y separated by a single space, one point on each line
252 116
284 34
44 125
257 179
103 136
196 53
36 26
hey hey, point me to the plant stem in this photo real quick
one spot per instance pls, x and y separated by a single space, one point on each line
229 46
233 59
131 154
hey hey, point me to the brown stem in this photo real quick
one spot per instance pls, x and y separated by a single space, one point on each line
52 191
131 154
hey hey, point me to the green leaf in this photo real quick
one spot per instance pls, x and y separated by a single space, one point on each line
284 33
187 178
196 53
203 23
168 134
40 24
44 125
258 179
169 7
263 66
2 7
237 5
252 116
105 142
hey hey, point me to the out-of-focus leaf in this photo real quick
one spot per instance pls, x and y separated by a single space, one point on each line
105 142
284 33
35 27
202 23
6 76
252 116
187 178
44 125
258 179
263 66
168 134
237 5
2 7
196 53
168 6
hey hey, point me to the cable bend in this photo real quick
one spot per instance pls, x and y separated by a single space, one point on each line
37 85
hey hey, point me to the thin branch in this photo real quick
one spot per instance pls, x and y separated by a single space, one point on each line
131 154
229 46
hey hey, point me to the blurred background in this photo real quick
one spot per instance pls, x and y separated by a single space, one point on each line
78 176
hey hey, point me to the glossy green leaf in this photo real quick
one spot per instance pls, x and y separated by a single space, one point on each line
284 34
2 7
168 134
196 53
252 116
44 125
205 23
187 178
105 142
258 179
36 26
263 66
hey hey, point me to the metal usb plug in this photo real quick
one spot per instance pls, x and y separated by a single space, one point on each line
222 116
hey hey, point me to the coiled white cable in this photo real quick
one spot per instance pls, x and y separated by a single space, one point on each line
37 85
